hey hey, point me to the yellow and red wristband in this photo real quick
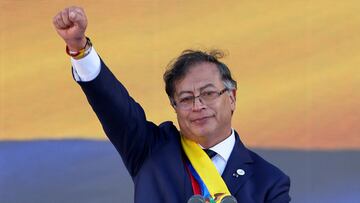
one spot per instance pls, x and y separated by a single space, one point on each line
82 52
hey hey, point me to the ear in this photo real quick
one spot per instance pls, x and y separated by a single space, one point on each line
172 103
233 96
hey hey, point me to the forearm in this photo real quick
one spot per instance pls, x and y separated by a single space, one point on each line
122 119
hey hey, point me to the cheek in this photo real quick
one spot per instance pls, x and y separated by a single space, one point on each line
181 117
224 110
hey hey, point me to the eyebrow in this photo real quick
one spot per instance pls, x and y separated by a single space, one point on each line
201 89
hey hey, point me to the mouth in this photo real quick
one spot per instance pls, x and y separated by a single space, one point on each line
200 120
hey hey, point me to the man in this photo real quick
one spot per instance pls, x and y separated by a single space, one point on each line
165 164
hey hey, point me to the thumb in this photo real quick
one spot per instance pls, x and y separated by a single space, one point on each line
74 17
77 17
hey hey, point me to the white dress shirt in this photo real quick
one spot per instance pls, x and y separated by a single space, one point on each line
88 68
223 150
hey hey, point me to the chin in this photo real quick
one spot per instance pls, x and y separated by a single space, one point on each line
201 132
198 132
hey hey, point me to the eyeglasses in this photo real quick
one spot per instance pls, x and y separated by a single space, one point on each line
205 97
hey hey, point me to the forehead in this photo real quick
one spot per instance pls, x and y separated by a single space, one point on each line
198 76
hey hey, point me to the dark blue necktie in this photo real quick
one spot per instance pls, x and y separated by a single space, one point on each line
210 153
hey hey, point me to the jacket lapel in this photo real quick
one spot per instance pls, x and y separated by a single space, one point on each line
238 168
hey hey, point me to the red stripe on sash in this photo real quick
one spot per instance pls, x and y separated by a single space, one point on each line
195 185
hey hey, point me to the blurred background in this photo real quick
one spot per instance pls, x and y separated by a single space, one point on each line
298 99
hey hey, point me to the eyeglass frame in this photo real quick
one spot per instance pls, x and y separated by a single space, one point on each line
193 98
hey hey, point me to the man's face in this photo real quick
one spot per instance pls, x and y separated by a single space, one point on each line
206 123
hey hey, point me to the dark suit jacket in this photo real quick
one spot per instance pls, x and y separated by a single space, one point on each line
154 157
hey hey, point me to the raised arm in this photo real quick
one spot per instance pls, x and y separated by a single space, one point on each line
122 119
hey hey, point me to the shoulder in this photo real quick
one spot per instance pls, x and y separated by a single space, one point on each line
274 181
264 168
259 166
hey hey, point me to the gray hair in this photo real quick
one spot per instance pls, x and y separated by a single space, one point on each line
178 68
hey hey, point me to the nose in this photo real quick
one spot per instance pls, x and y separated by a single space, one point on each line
198 104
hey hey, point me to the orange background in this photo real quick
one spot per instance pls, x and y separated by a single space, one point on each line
296 63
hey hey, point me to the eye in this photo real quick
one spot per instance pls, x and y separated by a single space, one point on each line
186 100
208 94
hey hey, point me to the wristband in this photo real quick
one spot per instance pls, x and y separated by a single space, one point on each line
82 52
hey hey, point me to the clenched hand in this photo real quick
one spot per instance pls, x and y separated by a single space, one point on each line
70 24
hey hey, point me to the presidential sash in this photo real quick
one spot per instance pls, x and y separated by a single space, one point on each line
206 170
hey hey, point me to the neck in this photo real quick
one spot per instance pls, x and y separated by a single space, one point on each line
208 142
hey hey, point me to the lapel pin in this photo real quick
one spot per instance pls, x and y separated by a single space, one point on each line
240 172
235 175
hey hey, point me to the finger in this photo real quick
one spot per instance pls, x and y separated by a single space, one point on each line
55 22
60 22
65 17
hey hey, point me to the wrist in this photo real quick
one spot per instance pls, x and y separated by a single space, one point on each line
80 52
76 45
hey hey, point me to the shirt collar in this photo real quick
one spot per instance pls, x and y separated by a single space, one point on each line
225 147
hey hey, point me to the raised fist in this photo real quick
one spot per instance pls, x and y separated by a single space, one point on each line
70 24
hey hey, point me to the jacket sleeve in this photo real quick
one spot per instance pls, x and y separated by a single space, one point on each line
122 119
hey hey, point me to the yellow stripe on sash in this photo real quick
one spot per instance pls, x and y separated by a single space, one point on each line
205 168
